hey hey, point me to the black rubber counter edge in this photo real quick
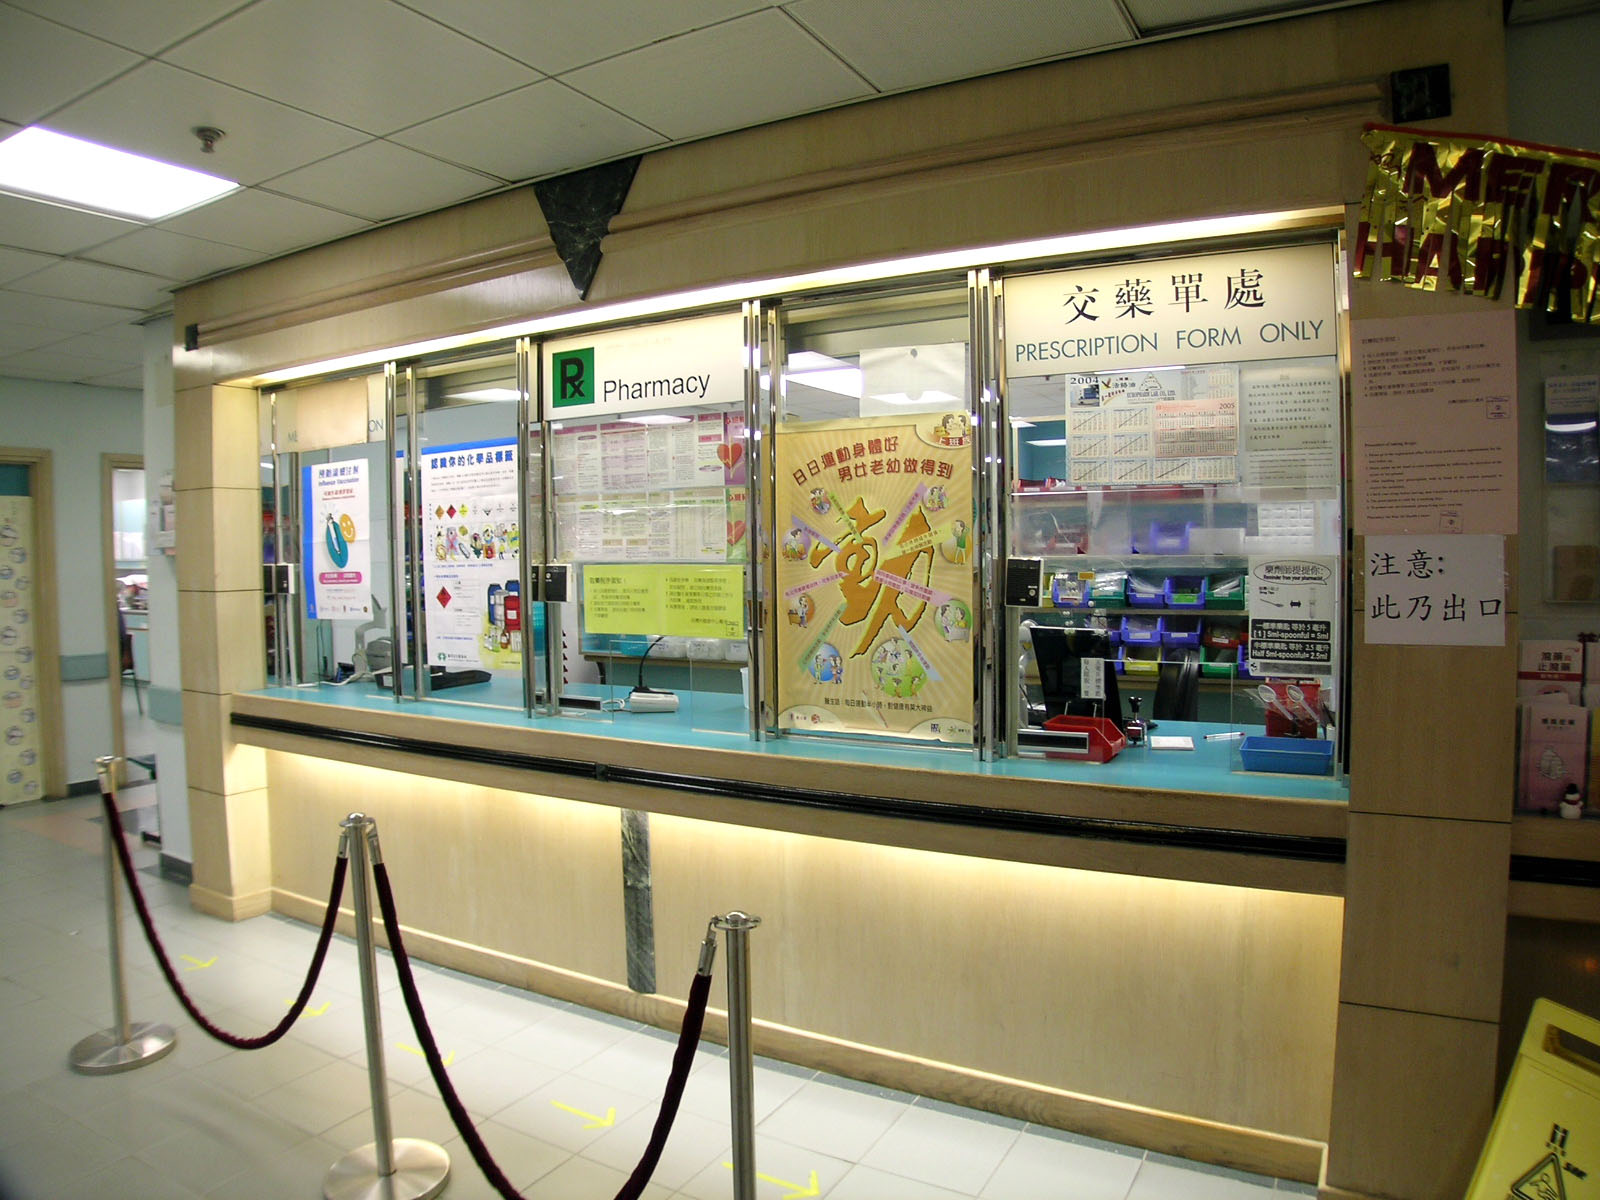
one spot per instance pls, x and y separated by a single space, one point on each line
1231 841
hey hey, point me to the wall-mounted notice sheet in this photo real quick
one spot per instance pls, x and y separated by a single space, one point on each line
1434 424
1436 591
1290 412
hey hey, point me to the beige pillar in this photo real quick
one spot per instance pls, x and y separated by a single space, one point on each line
217 480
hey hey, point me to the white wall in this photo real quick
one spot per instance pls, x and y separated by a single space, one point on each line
77 424
166 687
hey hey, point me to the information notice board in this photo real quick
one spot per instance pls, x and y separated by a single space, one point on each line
664 599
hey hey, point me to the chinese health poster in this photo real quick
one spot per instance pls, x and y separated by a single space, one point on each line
875 576
338 546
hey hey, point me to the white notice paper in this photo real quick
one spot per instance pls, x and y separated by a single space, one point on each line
1436 590
1434 423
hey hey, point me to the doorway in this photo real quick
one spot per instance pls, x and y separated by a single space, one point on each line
127 614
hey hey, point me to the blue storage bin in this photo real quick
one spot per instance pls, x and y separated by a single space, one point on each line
1244 662
1180 631
1145 591
1164 537
1142 631
1287 756
1185 591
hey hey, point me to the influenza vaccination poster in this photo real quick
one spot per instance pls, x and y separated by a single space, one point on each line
471 548
875 576
337 550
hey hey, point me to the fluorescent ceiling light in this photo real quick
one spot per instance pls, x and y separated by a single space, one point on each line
657 419
1047 442
935 399
823 373
52 166
485 394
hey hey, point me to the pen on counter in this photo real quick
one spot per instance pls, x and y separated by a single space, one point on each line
1224 737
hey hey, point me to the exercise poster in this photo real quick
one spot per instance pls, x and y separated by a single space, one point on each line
338 541
875 576
472 544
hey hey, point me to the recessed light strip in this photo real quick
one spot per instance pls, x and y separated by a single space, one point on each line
732 293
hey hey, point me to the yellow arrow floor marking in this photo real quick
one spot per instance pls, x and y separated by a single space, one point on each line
310 1012
594 1122
795 1191
448 1058
195 963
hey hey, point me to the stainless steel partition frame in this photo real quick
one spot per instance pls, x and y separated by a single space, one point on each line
397 537
755 446
764 699
1010 644
991 509
285 650
410 513
525 558
554 648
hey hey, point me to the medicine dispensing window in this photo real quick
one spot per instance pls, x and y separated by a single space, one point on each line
650 518
874 600
467 593
328 615
1175 523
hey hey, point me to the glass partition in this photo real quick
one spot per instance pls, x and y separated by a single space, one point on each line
332 527
1175 578
650 488
875 532
468 586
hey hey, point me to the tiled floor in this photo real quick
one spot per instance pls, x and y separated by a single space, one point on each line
564 1097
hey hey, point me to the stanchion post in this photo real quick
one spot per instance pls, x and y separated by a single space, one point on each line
387 1168
741 1061
127 1044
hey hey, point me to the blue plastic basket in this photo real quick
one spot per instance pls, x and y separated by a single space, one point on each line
1287 756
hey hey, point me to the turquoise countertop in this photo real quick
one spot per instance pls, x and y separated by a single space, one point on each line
717 721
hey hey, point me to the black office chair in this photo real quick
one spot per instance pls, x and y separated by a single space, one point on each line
1177 695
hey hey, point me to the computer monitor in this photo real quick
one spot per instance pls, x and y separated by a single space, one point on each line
1060 654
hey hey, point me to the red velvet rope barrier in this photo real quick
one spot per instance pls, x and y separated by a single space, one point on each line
677 1078
125 860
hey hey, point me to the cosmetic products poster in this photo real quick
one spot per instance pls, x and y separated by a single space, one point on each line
1434 424
337 550
472 546
21 771
875 576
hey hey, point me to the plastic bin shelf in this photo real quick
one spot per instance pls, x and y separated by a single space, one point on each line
1185 591
1180 631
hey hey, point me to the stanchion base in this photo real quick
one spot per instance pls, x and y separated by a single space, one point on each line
421 1169
105 1053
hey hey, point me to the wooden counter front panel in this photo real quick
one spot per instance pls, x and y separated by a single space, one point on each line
522 875
1216 1002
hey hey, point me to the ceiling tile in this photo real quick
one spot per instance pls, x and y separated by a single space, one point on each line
67 317
381 180
268 223
132 377
123 342
540 130
155 109
559 37
147 26
15 337
54 229
950 39
1153 16
14 264
43 65
367 63
741 73
162 252
73 280
47 364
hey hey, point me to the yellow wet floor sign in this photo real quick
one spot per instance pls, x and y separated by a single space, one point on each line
1545 1140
